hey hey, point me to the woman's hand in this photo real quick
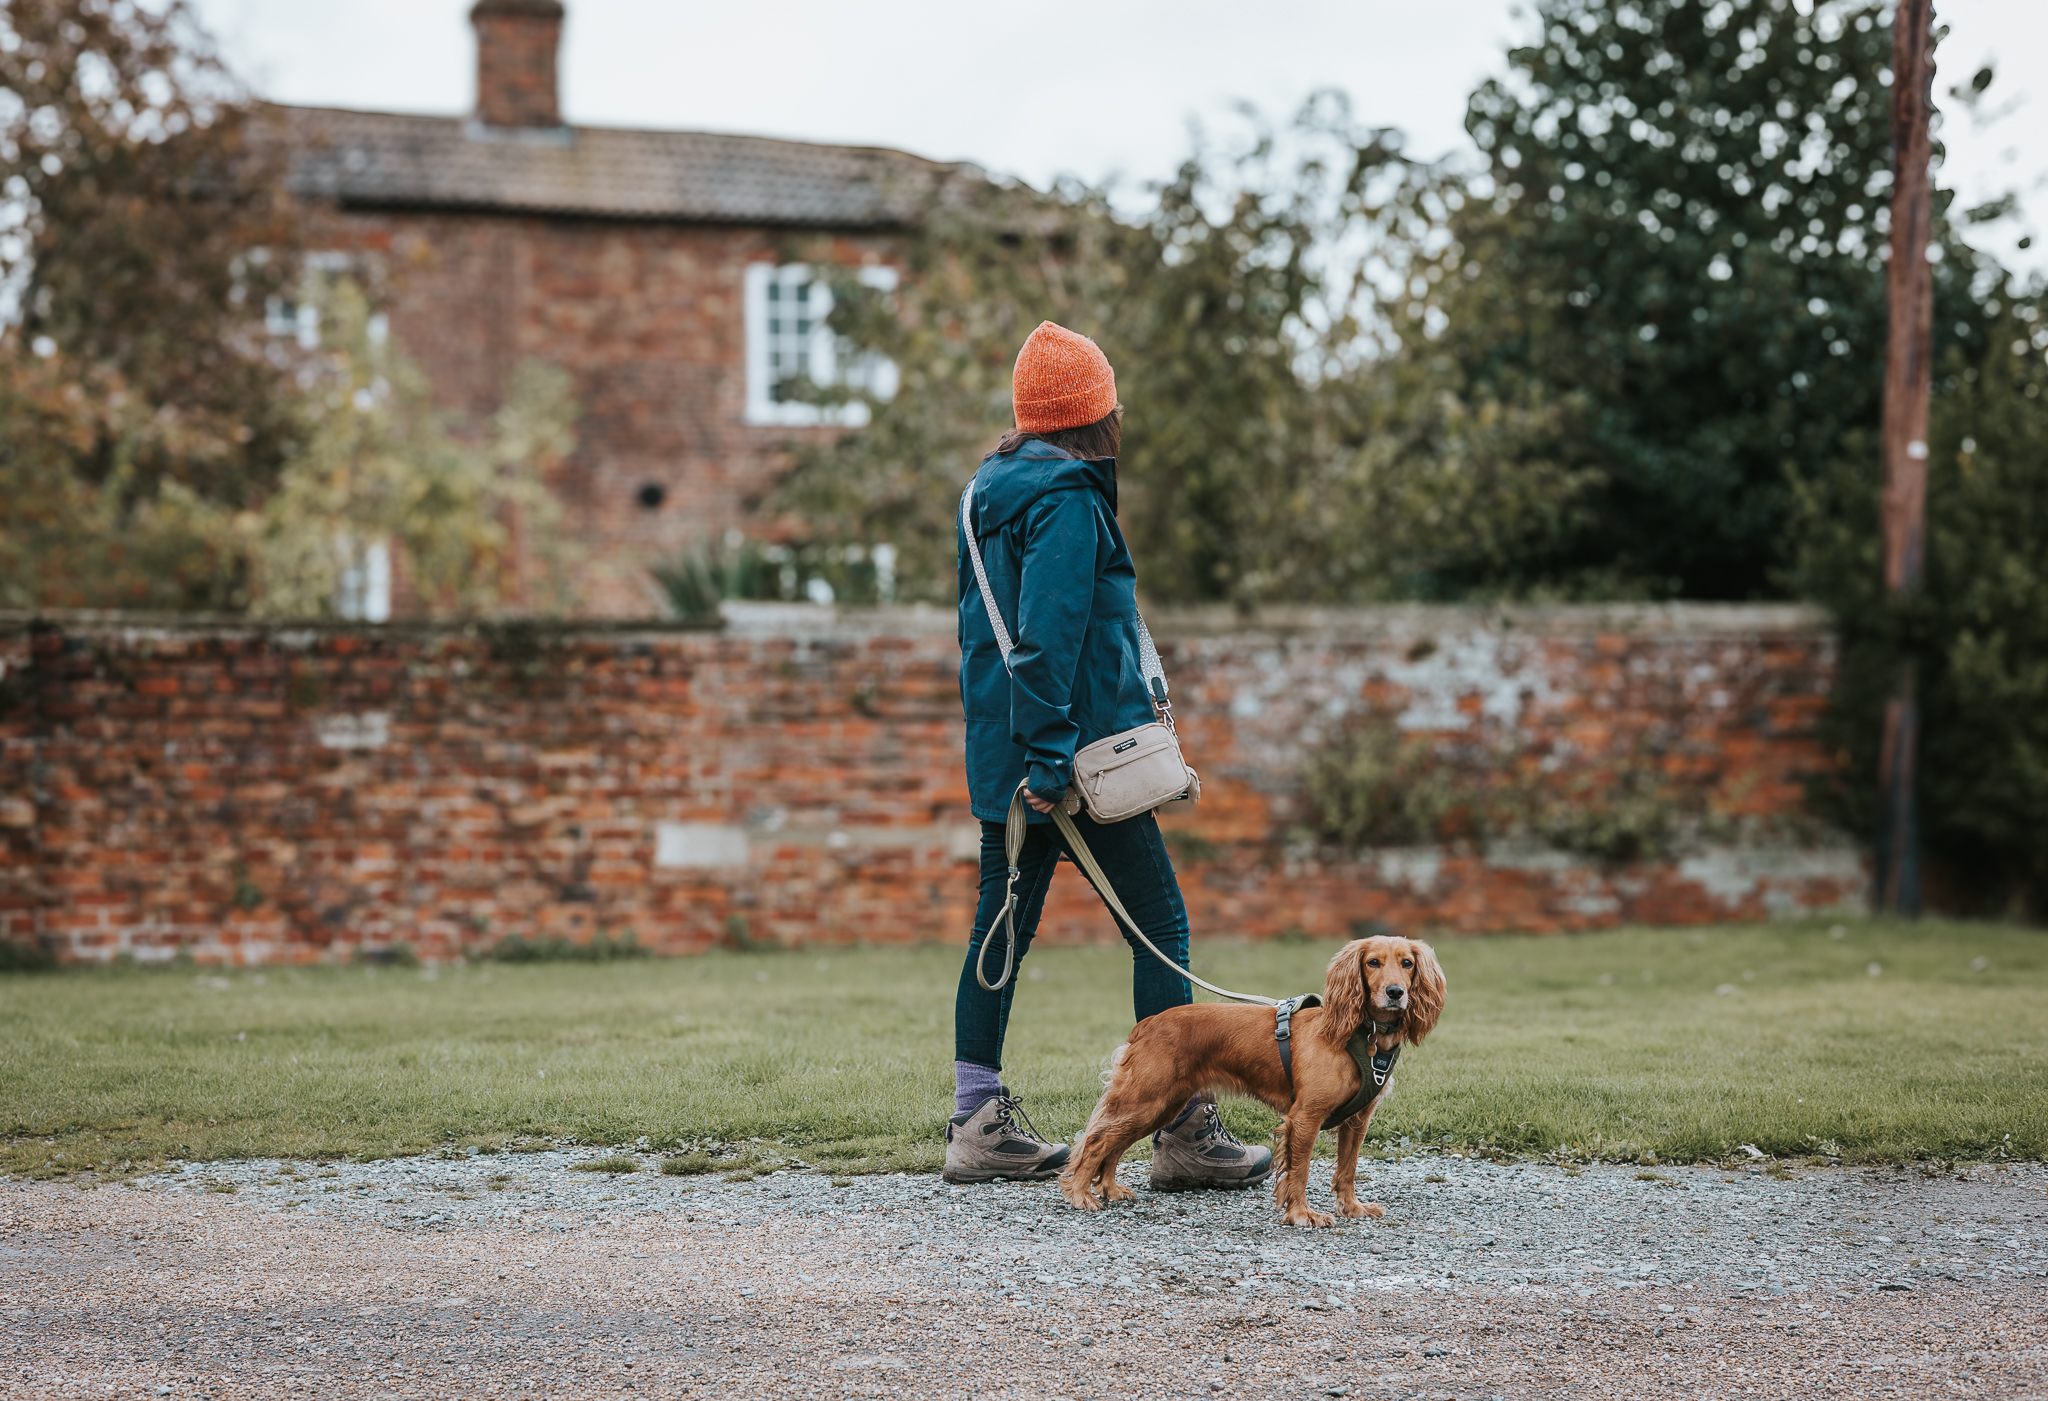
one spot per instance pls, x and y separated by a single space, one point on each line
1036 803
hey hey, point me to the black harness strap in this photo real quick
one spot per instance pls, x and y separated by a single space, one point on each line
1375 1071
1375 1067
1283 1016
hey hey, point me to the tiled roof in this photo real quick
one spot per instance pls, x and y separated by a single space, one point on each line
388 160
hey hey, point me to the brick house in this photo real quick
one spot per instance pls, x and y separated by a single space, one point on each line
669 272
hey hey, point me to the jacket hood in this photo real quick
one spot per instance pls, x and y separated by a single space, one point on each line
1008 483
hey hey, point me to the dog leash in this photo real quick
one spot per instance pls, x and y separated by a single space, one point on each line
1013 840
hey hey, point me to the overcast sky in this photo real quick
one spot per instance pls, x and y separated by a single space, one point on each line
1096 88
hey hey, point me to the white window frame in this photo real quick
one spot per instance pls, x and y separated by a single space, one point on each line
827 358
290 318
363 593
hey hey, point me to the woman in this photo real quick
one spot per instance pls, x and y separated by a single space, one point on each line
1044 512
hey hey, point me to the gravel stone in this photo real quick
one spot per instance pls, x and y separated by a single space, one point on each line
513 1275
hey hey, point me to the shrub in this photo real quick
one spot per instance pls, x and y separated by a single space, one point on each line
1373 784
24 956
696 580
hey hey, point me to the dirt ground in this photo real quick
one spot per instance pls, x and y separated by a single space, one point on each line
495 1278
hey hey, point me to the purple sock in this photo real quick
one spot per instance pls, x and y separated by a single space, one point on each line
972 1084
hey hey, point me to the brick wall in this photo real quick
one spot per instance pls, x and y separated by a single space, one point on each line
257 794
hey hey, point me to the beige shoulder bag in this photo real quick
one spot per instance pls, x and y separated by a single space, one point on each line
1140 770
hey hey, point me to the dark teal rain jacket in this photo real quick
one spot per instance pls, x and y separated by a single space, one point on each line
1046 523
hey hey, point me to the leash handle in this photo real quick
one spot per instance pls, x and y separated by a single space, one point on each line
1013 843
1092 869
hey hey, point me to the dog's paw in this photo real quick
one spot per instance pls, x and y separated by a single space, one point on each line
1115 1191
1356 1209
1302 1216
1079 1196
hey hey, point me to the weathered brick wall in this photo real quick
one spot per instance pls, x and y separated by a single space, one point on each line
256 794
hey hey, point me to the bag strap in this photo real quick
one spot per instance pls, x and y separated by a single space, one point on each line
988 597
1149 665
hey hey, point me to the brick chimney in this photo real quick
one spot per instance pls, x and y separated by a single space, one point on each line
515 62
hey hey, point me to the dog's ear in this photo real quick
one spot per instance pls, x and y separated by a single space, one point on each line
1344 993
1426 993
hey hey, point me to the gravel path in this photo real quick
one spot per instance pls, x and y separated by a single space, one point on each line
517 1276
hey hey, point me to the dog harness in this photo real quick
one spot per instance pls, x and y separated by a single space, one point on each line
1375 1068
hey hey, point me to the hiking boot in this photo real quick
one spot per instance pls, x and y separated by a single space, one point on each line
995 1142
1196 1151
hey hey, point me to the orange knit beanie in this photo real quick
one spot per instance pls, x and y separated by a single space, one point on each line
1062 380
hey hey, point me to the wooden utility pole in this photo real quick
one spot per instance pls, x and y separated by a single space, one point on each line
1910 291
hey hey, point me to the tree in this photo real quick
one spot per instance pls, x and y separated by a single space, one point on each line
1679 229
379 464
67 542
161 450
140 231
1978 628
1264 458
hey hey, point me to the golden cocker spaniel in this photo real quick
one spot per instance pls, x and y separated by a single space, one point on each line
1385 991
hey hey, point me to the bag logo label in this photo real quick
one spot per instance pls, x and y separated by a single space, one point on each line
1127 744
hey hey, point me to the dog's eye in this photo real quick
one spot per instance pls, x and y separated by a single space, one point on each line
1407 963
1372 963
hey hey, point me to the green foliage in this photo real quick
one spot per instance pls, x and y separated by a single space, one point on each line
372 460
24 956
686 1165
161 452
1264 459
1977 633
739 568
696 582
110 540
139 412
379 461
987 265
599 948
1677 242
126 153
1373 784
399 955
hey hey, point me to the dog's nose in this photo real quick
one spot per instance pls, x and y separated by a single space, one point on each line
1396 993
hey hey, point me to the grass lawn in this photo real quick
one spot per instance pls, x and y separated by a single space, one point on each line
1890 1041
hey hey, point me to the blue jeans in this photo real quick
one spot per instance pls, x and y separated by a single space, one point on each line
1134 856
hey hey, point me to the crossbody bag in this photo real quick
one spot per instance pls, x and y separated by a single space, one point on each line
1139 770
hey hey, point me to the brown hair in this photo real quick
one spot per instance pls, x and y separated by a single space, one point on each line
1102 438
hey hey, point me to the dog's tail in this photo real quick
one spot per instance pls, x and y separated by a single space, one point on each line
1116 1060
